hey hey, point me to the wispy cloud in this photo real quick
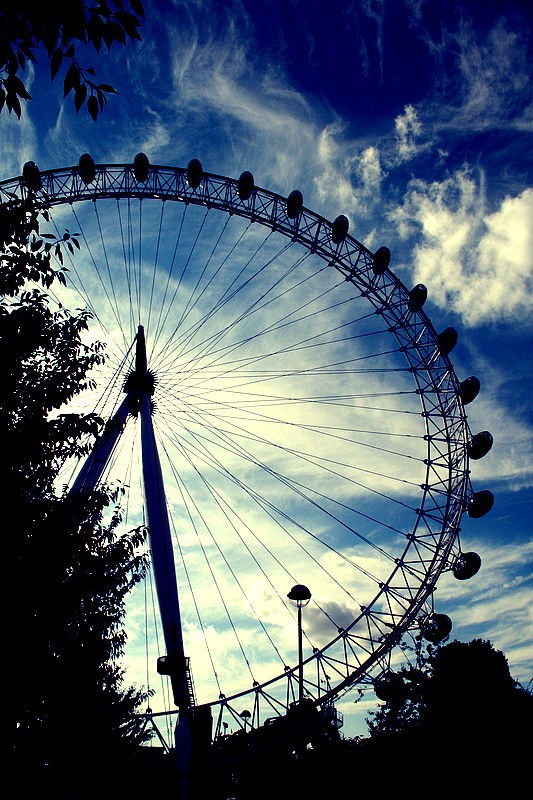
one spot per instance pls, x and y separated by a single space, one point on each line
245 111
19 142
494 78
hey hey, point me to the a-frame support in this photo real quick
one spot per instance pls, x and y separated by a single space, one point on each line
139 388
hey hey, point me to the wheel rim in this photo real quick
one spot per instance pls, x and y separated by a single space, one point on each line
291 335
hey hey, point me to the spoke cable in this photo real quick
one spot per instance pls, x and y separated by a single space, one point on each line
219 503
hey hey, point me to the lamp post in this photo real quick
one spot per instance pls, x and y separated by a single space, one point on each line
300 596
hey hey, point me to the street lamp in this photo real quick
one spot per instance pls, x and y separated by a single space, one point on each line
300 596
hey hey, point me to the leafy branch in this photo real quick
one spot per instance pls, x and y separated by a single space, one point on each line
58 29
26 254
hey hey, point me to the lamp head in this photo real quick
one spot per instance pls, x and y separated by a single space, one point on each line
299 595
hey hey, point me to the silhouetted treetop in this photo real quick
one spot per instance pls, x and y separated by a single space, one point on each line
59 28
463 689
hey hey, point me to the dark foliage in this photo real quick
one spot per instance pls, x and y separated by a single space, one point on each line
459 726
68 567
58 28
461 708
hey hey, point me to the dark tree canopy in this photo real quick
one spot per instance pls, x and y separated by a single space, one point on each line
56 30
69 565
462 708
465 683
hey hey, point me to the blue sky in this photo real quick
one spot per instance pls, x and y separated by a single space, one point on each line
415 120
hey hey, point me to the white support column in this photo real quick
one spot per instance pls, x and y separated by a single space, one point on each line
139 389
167 592
162 550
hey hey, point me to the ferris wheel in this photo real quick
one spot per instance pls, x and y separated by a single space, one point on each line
286 420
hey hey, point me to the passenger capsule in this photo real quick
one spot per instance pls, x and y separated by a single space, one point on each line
295 203
466 566
389 687
447 340
437 628
480 504
31 175
381 260
86 168
195 173
418 296
141 167
480 444
246 185
339 229
469 389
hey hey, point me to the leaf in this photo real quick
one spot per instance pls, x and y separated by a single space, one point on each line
137 7
49 39
95 29
79 96
105 87
13 104
14 85
72 79
130 23
114 33
92 107
25 48
55 63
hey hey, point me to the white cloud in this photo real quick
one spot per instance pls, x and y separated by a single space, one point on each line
157 136
370 171
478 264
336 164
408 129
349 177
506 255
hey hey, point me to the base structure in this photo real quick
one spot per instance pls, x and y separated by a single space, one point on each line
139 389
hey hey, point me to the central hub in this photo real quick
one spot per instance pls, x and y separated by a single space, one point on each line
141 380
140 383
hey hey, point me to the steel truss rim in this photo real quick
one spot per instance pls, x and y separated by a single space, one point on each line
447 487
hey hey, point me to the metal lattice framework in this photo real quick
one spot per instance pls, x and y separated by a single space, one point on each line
359 651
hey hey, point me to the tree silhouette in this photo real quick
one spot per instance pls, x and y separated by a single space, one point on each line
58 28
69 566
461 706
